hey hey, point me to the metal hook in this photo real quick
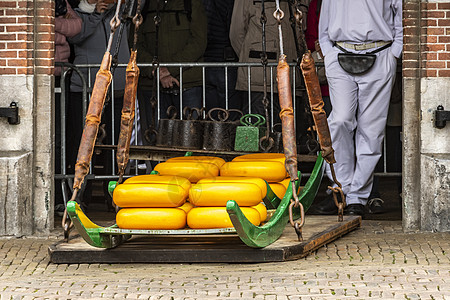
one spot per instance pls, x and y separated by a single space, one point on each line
222 114
278 15
65 224
339 205
172 112
270 144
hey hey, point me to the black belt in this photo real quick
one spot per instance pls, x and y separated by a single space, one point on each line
258 54
371 52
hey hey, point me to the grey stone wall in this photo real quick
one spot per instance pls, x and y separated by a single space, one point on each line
16 212
434 157
434 92
26 150
435 196
19 89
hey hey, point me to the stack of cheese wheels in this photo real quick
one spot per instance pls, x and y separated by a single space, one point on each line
210 197
152 202
194 168
267 166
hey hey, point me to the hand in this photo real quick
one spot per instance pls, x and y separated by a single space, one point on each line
101 6
163 72
318 49
168 81
317 45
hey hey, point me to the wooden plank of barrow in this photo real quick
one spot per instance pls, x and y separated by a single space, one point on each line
163 154
318 231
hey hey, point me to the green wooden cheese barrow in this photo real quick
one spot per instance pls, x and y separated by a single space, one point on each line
251 235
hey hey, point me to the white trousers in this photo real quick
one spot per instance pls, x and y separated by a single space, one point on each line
357 121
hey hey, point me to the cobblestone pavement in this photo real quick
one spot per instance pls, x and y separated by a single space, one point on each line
376 261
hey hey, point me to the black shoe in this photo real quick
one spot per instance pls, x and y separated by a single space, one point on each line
354 210
326 207
376 206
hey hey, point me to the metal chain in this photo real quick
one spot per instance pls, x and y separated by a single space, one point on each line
295 202
155 63
335 191
265 147
123 20
157 20
137 21
115 56
65 219
298 16
114 23
292 19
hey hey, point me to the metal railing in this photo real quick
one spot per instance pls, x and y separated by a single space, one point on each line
87 89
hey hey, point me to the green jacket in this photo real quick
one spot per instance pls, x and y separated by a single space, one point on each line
179 40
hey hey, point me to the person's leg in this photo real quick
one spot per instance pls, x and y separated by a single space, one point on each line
214 82
215 89
375 193
342 124
306 139
375 203
234 96
192 97
257 106
342 120
147 114
167 100
74 129
327 105
118 105
374 94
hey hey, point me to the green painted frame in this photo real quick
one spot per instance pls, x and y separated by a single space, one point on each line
262 236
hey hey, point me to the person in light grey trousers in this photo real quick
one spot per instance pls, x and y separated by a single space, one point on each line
360 102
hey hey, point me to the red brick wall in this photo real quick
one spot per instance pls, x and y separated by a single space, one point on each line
427 45
26 25
435 39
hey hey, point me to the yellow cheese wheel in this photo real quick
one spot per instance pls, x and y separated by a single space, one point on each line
286 182
151 218
186 207
217 217
149 195
270 171
208 159
279 157
278 188
217 194
261 208
258 181
192 170
177 180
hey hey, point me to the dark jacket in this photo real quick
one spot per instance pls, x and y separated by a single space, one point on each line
246 38
179 40
219 14
90 46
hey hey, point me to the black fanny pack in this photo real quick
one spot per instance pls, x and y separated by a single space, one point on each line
355 63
